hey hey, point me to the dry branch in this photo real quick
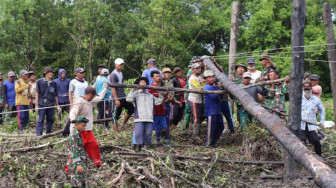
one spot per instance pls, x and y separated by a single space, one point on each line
206 159
25 149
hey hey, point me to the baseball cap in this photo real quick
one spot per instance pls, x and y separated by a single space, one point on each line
307 85
104 72
48 69
80 119
176 69
79 70
22 72
167 69
314 77
151 61
251 61
10 74
195 59
265 56
247 75
102 66
119 61
195 65
241 65
208 73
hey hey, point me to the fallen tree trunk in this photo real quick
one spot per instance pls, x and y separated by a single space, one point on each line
323 175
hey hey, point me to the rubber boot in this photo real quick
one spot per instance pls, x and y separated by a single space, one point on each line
196 131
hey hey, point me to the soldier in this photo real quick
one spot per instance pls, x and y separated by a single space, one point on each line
76 153
267 64
240 69
244 116
275 98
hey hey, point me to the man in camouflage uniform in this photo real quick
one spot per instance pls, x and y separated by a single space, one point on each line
2 108
268 66
275 98
76 153
240 69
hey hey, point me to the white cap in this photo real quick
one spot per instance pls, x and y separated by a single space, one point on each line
195 65
119 61
208 73
247 75
104 71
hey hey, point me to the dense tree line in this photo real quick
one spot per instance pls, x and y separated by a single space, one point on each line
71 33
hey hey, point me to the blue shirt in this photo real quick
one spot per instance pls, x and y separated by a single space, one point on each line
146 73
308 112
10 93
100 87
212 101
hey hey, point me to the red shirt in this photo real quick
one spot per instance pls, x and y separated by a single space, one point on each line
183 84
159 110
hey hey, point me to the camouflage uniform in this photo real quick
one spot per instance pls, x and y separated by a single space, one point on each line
76 156
275 99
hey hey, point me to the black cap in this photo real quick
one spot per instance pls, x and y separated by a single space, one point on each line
307 85
137 81
102 66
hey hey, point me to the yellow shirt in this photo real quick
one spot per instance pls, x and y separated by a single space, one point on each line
22 92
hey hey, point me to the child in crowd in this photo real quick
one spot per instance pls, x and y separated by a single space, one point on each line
143 114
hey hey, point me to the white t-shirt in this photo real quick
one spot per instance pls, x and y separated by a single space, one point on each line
255 76
77 87
194 97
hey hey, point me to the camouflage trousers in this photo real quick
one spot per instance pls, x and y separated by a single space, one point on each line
77 180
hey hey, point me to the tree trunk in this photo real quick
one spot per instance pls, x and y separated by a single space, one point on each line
323 175
331 50
233 43
233 38
296 77
89 67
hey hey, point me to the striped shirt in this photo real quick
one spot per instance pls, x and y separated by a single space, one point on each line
308 112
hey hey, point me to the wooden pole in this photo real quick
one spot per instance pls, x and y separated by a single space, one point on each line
167 89
296 77
331 50
323 175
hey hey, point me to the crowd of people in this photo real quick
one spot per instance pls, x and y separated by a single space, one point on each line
152 110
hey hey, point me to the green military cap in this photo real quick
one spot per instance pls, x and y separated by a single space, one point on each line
80 119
